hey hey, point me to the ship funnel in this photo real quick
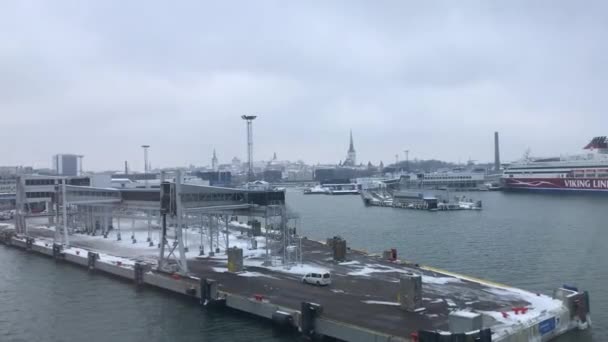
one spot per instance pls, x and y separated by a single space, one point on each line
496 153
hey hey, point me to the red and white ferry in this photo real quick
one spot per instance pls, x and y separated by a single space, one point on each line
586 172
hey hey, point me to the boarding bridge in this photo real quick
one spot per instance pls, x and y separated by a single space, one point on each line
196 198
89 195
175 206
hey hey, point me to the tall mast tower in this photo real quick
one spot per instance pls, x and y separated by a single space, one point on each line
249 119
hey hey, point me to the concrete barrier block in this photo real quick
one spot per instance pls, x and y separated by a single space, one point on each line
252 306
175 285
347 332
115 270
18 243
410 291
77 259
464 321
42 250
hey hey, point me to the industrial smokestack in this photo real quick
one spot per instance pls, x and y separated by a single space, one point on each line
126 168
496 153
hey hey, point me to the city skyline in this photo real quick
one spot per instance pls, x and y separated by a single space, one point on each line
216 163
436 80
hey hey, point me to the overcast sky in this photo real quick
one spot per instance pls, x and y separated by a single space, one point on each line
101 78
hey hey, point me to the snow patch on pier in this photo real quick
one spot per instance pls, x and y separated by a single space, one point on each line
255 274
346 263
81 252
301 270
368 270
380 302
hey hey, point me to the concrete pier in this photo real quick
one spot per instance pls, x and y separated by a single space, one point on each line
363 303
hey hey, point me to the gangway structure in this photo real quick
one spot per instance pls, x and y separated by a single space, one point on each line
175 205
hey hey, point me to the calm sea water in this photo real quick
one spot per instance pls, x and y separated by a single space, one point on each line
532 241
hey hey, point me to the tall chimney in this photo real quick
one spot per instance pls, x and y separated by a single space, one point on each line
126 168
496 153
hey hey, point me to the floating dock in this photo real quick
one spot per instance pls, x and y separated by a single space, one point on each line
371 298
416 200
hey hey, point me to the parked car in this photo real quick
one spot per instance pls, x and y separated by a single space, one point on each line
323 278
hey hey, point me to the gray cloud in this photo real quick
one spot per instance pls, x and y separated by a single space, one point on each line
435 78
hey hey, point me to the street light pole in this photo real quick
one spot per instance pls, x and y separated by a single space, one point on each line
145 147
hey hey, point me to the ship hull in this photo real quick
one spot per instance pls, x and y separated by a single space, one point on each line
556 184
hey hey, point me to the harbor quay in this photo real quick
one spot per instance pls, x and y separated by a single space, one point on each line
240 249
365 302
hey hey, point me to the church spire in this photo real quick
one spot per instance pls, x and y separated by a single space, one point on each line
214 162
351 156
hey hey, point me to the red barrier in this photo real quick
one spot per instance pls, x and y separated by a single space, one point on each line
520 309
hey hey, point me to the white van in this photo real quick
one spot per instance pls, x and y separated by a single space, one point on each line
323 278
